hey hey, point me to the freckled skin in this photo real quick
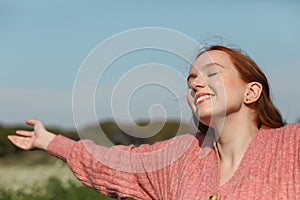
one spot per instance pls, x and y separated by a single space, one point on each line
221 80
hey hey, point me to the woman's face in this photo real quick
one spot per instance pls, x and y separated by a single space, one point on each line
215 88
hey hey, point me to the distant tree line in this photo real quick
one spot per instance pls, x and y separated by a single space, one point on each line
6 147
112 131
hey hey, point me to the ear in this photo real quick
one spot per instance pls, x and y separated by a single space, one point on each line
253 92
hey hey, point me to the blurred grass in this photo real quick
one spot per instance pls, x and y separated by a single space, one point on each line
36 175
54 189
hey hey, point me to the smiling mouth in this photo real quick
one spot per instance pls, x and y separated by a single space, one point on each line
203 98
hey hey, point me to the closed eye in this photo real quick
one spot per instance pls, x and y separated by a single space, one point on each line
212 74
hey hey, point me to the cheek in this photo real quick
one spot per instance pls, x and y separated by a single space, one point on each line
234 92
216 85
226 89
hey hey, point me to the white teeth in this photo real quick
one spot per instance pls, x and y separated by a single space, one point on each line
202 97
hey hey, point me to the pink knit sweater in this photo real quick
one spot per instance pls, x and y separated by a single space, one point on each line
185 168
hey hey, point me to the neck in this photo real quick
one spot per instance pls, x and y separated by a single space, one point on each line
234 136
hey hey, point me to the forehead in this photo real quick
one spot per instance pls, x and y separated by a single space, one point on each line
214 56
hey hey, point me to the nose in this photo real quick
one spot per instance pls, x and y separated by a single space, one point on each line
198 82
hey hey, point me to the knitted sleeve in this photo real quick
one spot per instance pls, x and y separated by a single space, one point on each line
121 171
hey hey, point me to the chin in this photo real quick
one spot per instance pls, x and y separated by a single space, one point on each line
206 120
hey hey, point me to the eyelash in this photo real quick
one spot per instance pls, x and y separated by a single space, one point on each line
212 74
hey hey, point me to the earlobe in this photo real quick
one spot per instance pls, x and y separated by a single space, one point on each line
253 92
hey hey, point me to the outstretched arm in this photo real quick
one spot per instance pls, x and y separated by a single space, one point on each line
120 171
85 166
38 138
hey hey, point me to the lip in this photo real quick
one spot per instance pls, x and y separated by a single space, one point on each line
202 97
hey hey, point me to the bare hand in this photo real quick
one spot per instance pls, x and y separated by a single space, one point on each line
38 138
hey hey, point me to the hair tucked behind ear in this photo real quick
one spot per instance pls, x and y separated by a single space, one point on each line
266 113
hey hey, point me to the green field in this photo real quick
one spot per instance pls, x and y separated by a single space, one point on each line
40 177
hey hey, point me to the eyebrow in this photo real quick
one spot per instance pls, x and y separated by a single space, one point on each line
193 75
210 64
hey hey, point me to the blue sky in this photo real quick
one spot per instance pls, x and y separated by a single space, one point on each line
44 43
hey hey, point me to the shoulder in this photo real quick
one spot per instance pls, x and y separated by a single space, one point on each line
291 128
184 141
289 132
287 129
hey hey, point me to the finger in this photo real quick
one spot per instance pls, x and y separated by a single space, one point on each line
21 142
25 133
31 122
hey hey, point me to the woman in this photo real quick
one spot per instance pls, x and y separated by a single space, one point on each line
249 154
